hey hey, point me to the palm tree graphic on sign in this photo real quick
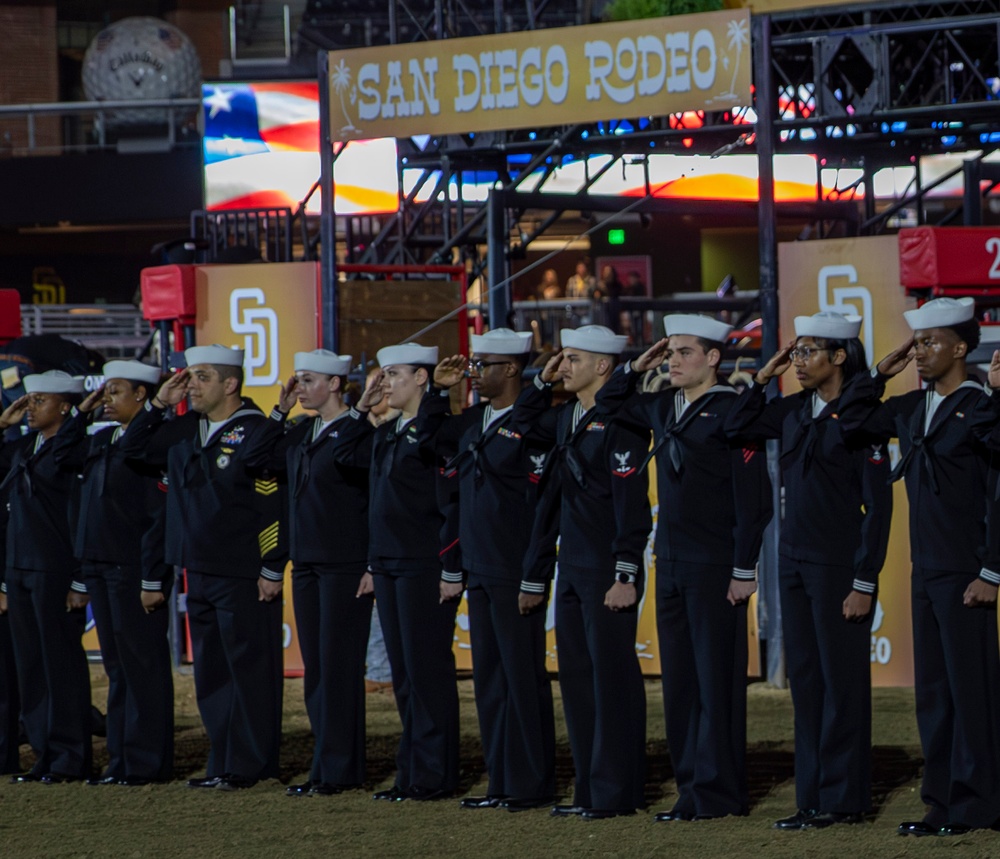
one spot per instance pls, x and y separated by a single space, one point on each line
739 35
341 78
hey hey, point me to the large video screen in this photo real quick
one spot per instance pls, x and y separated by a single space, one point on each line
262 149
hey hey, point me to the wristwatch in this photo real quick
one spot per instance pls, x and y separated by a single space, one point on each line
625 578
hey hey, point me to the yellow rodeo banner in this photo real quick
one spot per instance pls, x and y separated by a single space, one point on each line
541 78
862 276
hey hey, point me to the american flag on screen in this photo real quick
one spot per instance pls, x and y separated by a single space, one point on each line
262 149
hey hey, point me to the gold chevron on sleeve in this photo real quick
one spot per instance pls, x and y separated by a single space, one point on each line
268 539
266 487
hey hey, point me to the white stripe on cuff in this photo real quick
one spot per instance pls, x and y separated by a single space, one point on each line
277 415
532 588
626 567
271 575
540 383
744 575
989 576
152 586
864 587
79 587
454 578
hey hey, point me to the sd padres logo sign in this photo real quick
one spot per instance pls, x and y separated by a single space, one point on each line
249 316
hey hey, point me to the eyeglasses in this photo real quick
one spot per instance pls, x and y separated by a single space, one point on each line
804 353
477 367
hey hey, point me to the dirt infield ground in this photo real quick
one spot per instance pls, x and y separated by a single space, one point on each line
174 821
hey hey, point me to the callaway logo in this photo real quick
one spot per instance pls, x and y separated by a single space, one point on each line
624 469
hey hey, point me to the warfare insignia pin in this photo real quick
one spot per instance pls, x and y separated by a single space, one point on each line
223 460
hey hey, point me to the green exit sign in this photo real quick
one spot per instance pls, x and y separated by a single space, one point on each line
616 237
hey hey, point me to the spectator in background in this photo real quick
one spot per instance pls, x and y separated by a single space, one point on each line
633 285
581 284
549 288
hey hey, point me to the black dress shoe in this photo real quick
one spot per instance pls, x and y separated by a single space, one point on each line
208 781
830 818
488 801
300 789
919 828
797 820
672 815
392 794
955 829
514 804
59 778
24 778
427 794
235 782
606 813
567 810
136 781
103 780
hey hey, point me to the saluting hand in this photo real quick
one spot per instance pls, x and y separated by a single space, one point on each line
994 375
373 393
979 593
551 367
174 390
92 402
895 362
450 371
653 357
14 413
779 363
287 398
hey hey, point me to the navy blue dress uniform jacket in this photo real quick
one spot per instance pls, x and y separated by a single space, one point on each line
498 472
41 492
121 509
407 474
947 470
713 509
223 517
342 454
839 506
594 498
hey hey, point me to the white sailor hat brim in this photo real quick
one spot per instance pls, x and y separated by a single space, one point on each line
214 354
593 338
323 361
696 325
941 313
53 382
502 341
828 325
133 371
407 353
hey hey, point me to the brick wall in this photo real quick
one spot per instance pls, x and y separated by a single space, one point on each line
28 72
208 32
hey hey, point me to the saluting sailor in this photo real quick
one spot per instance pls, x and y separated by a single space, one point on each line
326 459
499 466
956 564
715 500
595 501
224 526
838 508
406 556
46 597
118 537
